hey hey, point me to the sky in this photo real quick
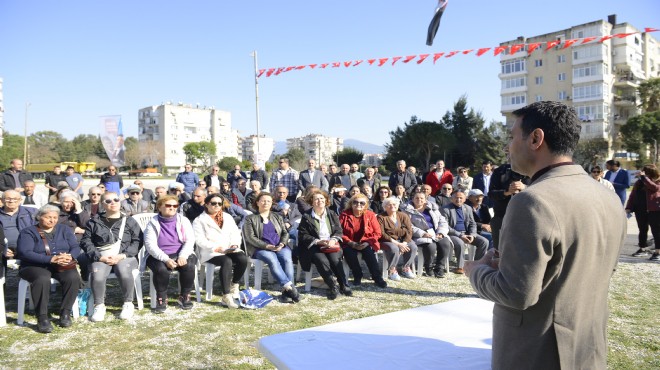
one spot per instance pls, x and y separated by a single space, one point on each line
75 61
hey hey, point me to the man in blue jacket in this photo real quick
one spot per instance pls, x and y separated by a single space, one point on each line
14 218
618 177
189 179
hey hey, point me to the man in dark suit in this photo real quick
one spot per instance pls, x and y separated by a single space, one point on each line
618 177
463 229
482 181
402 177
343 177
14 178
370 179
312 176
551 281
235 175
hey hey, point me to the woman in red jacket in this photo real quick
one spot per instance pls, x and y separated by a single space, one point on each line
644 201
361 234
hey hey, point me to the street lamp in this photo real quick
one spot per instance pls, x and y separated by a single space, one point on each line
256 95
27 104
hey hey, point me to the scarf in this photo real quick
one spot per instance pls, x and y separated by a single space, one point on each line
217 218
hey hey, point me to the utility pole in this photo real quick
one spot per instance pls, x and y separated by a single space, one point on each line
25 136
256 95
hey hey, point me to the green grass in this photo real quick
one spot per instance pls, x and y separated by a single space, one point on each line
210 336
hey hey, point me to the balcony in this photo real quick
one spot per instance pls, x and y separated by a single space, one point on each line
626 81
625 101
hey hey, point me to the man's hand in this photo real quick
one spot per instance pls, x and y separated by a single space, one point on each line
489 259
487 228
181 261
467 238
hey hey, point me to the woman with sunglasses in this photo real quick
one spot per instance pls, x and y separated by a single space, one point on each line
219 240
110 244
170 240
376 203
320 235
266 239
361 232
462 182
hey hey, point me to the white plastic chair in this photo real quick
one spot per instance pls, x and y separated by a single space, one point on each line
23 287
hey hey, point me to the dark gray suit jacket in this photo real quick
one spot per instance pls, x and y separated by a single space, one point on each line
449 211
318 180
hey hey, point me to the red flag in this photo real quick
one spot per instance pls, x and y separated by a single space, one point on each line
437 56
336 64
466 52
570 42
357 62
288 69
409 58
516 48
348 64
624 35
588 39
647 29
452 53
533 46
382 61
371 61
261 71
605 38
552 44
324 65
499 49
300 67
482 51
270 72
279 70
395 59
422 57
312 66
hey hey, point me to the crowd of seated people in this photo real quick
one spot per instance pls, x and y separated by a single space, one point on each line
226 223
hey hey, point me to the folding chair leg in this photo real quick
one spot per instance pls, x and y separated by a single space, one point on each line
138 289
209 282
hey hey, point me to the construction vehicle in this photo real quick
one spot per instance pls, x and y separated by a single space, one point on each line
40 170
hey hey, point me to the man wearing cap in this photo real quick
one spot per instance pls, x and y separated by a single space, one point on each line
75 181
481 214
147 194
15 177
176 189
134 204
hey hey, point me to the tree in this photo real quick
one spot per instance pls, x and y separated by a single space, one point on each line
649 94
12 147
82 147
490 144
47 147
418 143
297 158
641 132
227 163
152 153
132 153
349 156
590 152
191 150
207 150
464 126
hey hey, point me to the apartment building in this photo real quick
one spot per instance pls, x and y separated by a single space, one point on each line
260 149
599 79
164 129
319 147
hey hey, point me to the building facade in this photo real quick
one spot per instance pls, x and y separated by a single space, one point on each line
599 79
163 130
2 115
265 145
319 147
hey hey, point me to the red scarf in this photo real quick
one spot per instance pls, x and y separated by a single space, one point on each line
218 219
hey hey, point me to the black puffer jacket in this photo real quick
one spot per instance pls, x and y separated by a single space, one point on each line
98 234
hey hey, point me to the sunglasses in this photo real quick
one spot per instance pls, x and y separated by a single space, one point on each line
359 203
110 201
171 205
446 188
596 171
134 193
97 194
215 204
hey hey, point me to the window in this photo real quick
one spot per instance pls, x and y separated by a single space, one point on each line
538 80
539 98
538 62
561 95
561 76
588 113
588 70
588 91
513 66
510 83
589 51
561 58
513 100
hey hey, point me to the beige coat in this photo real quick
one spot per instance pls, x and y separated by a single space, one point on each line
559 246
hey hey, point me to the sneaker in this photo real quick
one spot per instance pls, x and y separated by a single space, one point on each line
161 306
293 293
99 313
641 252
44 325
439 274
184 301
65 319
228 301
381 283
394 276
235 289
655 257
345 290
408 274
127 310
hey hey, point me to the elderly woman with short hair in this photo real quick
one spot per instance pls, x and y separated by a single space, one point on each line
396 239
48 250
361 233
72 214
320 235
462 181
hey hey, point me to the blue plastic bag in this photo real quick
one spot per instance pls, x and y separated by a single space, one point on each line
253 299
83 300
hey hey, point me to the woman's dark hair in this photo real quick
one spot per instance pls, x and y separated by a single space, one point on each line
255 202
208 198
377 197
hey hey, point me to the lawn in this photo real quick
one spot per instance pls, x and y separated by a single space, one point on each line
210 336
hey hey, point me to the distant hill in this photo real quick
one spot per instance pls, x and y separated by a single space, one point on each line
364 147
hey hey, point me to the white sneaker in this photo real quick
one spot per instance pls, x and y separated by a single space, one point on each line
99 313
127 311
235 291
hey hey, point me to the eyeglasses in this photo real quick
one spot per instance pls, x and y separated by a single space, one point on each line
12 199
446 188
359 203
177 190
110 201
170 205
282 162
137 183
596 171
321 199
215 204
95 194
462 171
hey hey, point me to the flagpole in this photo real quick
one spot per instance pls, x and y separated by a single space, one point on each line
256 94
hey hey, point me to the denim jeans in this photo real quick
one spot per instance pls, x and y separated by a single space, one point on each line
279 263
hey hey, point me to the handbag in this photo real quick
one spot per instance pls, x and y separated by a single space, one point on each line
330 249
113 249
70 266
